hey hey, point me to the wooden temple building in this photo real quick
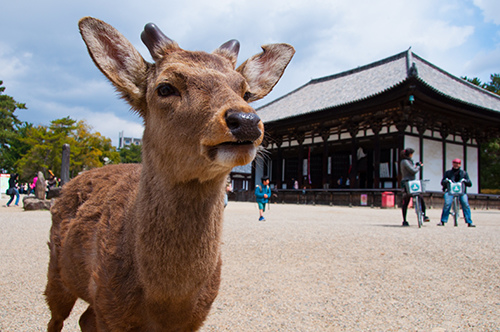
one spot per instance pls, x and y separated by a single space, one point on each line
346 130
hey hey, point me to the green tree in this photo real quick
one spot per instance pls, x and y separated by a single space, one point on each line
91 149
17 147
494 85
9 125
475 81
131 154
490 163
87 150
490 151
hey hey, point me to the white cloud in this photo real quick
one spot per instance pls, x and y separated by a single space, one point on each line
490 9
483 65
356 37
330 36
110 125
11 65
107 123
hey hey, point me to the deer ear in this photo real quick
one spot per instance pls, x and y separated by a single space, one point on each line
229 50
117 58
262 71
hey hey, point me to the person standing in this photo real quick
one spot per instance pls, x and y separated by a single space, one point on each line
408 172
52 181
33 185
229 188
13 191
456 174
262 194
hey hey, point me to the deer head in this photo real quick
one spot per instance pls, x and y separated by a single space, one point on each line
198 123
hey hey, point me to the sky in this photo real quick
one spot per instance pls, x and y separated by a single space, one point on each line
44 62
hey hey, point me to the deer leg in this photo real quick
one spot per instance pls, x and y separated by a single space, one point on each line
60 302
59 299
87 321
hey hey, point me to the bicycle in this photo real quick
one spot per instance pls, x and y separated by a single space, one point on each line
415 188
455 189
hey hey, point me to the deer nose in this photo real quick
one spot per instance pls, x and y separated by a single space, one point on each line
243 126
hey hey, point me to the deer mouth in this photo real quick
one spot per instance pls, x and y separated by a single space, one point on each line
232 153
237 143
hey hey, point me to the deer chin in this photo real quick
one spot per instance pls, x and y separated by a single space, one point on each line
231 154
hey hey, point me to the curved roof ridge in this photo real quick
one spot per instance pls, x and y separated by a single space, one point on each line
439 92
374 79
362 98
360 68
339 75
284 96
455 78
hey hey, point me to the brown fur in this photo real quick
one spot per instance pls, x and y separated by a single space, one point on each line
141 243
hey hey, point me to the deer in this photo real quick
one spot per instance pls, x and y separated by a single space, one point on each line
141 243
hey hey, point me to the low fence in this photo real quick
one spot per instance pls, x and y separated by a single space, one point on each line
362 197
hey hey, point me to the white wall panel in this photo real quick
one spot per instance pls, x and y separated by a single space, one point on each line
433 161
345 136
414 143
472 164
453 151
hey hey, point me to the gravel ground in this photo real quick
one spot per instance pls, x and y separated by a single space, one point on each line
307 268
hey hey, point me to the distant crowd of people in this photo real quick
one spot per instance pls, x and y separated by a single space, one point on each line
16 189
408 169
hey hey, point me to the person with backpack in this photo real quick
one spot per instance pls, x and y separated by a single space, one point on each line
13 189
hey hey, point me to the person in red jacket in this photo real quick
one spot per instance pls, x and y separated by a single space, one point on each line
456 174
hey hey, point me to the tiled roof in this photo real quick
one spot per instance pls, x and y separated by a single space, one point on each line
371 80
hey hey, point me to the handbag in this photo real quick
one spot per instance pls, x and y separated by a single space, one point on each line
10 191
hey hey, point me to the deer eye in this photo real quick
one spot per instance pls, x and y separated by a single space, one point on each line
247 96
167 90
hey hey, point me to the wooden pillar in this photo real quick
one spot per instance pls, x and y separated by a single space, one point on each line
401 126
353 131
465 139
300 139
444 133
421 130
253 175
325 134
480 143
376 161
376 127
279 173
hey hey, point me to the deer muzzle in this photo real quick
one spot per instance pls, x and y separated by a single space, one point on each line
243 126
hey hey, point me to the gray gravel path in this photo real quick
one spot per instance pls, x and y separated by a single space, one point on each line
307 268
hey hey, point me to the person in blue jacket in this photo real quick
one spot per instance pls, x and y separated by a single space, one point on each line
262 194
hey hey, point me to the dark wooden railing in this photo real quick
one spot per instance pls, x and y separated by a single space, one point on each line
353 197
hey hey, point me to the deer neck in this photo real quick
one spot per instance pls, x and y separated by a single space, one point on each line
177 232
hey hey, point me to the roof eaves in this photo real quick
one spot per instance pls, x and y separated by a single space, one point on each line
359 69
455 78
439 92
342 104
338 75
